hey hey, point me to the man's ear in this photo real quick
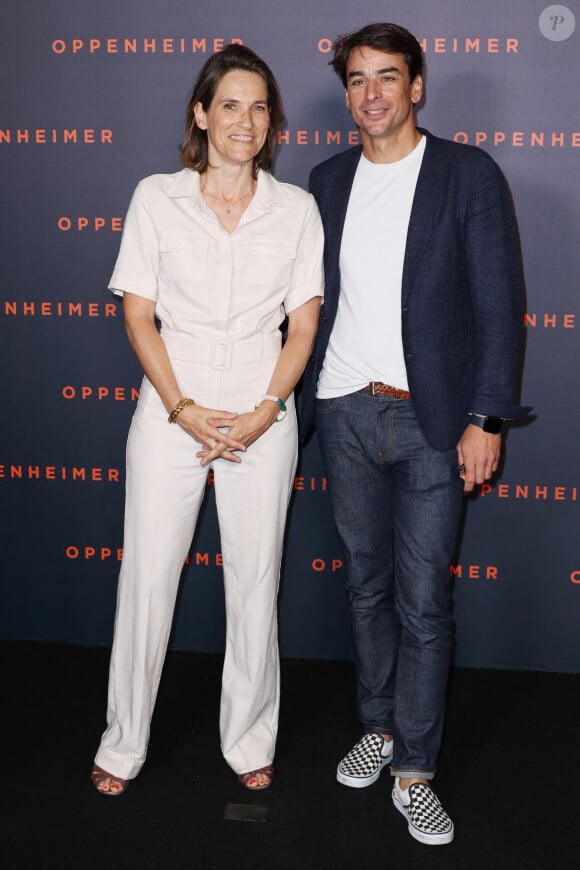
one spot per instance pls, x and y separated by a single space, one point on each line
416 89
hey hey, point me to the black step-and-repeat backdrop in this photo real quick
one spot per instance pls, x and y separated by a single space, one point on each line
93 98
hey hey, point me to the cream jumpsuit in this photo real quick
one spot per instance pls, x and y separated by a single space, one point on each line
220 298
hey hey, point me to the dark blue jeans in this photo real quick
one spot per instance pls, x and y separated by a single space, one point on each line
396 503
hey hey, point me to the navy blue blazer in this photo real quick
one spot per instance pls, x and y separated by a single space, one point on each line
462 289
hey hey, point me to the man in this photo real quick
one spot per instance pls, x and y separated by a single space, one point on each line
413 374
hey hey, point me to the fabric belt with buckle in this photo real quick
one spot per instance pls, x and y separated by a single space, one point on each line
376 388
222 354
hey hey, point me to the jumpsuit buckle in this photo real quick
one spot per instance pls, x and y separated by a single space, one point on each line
220 358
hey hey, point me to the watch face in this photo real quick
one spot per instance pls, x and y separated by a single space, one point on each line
493 425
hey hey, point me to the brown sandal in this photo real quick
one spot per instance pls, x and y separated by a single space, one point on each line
246 778
98 776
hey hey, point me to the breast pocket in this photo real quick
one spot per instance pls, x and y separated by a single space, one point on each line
271 261
184 256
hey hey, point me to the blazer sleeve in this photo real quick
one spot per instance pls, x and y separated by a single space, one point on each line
497 290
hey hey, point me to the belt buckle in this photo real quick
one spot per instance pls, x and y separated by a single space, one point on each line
220 357
372 386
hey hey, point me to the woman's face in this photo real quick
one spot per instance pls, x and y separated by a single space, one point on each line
237 119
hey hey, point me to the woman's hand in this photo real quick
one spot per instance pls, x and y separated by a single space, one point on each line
244 429
206 425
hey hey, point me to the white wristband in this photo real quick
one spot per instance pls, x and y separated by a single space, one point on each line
281 404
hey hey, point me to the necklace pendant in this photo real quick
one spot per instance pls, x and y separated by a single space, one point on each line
228 211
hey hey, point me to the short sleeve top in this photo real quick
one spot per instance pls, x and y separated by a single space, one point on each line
207 282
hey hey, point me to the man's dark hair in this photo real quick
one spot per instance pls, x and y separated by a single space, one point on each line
194 151
389 38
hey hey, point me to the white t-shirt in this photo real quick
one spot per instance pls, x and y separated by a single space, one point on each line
366 342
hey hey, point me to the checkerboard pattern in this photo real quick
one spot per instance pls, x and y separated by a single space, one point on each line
363 764
428 821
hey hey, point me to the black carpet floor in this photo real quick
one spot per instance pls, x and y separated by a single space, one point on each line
508 774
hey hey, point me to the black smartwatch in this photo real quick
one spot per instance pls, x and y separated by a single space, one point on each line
488 424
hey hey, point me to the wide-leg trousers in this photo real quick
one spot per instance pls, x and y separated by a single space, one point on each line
164 490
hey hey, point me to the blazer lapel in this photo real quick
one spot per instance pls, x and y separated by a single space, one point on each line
429 195
338 195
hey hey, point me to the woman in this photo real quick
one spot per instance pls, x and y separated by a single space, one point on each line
220 253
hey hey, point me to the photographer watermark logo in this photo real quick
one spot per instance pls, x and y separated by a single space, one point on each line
557 23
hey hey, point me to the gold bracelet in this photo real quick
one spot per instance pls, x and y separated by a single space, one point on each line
183 403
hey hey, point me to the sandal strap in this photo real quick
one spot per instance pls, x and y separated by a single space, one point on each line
98 775
267 771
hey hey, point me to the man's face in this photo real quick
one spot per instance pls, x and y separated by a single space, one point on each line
379 95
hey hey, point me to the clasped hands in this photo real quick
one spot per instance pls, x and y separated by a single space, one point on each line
224 434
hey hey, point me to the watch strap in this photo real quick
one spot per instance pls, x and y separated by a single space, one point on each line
488 424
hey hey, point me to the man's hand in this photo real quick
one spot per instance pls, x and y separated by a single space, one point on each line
479 453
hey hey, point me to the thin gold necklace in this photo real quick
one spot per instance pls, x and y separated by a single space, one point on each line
227 203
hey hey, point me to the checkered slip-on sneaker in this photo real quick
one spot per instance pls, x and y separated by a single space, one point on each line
428 821
363 764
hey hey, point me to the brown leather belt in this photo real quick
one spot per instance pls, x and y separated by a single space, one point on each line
376 388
